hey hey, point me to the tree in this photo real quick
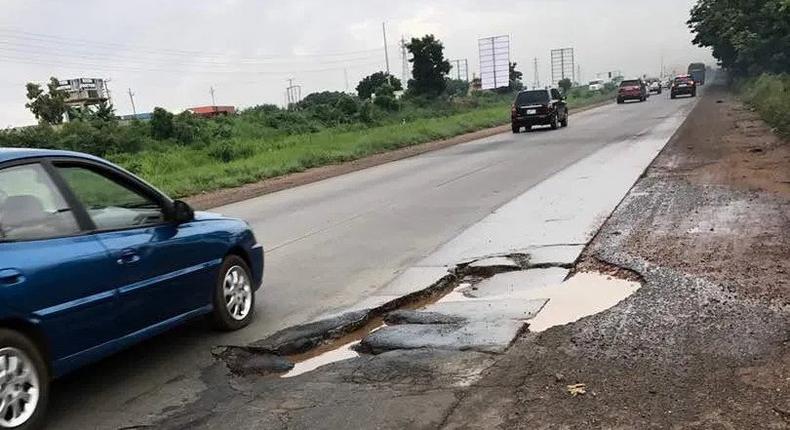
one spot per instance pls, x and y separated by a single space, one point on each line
47 107
429 67
515 77
371 84
565 84
161 124
747 36
456 87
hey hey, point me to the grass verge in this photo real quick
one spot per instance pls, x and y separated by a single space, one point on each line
769 95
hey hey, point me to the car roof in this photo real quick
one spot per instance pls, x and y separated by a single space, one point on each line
12 154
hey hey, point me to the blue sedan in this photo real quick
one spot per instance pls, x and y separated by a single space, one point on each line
93 260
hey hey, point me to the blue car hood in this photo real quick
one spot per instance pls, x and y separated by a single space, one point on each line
207 216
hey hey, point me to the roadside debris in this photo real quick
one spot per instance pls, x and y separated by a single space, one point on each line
577 389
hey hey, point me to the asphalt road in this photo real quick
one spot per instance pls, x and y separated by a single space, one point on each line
331 243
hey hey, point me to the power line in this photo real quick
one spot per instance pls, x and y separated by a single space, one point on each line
52 52
60 41
119 68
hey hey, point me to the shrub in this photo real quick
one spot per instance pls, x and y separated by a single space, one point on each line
770 97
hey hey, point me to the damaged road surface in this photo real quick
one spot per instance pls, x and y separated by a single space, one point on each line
393 287
408 352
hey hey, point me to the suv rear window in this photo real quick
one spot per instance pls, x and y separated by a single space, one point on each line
629 83
532 97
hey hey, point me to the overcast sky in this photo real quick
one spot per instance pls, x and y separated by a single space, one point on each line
170 52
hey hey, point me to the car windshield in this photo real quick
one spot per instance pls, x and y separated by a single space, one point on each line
532 97
630 83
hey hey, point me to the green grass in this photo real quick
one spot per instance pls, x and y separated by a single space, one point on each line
770 97
183 170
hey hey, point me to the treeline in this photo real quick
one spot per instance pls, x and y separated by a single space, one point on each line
751 39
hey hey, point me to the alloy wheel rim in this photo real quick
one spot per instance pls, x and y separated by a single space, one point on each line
237 293
19 387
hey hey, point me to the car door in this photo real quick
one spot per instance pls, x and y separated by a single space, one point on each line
51 272
165 270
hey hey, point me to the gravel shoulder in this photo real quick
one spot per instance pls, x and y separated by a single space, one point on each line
705 343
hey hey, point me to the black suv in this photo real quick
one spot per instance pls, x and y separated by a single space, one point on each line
539 107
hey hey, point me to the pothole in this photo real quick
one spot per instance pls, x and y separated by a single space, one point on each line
582 295
475 300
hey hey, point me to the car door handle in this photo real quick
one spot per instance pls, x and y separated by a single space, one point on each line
128 256
9 277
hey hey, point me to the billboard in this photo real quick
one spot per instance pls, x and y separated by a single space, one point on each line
494 62
562 65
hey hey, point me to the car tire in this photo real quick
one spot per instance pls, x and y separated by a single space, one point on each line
694 94
564 121
28 354
672 96
234 295
527 128
516 129
620 101
555 124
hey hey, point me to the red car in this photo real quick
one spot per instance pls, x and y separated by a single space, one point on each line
683 84
632 89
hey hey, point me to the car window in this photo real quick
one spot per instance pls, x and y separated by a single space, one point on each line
630 83
532 97
111 204
31 207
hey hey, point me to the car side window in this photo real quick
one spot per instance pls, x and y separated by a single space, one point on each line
111 204
31 207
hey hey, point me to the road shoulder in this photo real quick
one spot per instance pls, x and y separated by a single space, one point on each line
704 342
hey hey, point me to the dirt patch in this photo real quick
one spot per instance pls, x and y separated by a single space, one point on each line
705 343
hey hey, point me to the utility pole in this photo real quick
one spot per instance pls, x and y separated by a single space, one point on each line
211 91
131 97
345 75
386 50
536 83
293 93
578 73
404 60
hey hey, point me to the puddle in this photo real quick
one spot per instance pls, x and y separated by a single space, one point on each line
456 295
584 294
344 352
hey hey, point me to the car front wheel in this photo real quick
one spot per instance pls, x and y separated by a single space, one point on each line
555 124
234 298
24 382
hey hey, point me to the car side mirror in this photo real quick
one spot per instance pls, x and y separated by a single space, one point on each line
182 212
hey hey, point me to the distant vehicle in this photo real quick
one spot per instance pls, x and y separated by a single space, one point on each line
654 85
683 85
94 260
697 72
596 85
539 107
632 89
